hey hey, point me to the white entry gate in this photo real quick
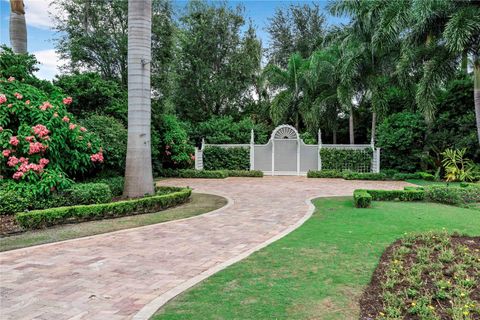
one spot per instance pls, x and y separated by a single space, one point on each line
286 153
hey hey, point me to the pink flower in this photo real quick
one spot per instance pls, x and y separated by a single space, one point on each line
14 141
17 175
6 152
9 105
1 129
72 126
192 157
89 145
168 153
46 105
67 100
44 162
36 147
23 160
12 161
18 95
40 130
97 157
27 102
55 115
83 129
30 138
10 79
3 98
66 119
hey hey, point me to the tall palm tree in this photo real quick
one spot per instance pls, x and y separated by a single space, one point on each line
138 171
18 26
285 106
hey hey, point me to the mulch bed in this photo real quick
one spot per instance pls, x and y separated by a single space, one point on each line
374 306
8 225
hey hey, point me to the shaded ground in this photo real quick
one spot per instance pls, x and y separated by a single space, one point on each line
318 271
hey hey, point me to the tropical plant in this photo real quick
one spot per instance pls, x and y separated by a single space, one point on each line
138 171
457 167
18 26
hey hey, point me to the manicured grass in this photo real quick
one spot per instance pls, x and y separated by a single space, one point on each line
319 270
198 204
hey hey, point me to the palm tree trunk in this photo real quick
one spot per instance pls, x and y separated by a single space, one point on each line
334 134
464 65
350 126
138 171
476 93
18 27
374 127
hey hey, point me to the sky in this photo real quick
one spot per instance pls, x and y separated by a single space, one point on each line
41 36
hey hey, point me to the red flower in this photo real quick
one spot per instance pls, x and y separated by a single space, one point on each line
18 95
36 147
14 141
17 175
3 98
6 152
67 100
97 157
40 130
12 161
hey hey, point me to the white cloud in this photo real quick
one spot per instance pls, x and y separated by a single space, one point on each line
37 13
50 63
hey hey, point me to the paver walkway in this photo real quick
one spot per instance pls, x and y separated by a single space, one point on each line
113 276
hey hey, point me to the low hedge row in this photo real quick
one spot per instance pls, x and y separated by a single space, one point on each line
468 193
209 174
55 216
80 193
349 175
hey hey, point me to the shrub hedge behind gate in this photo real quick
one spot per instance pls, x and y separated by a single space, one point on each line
217 158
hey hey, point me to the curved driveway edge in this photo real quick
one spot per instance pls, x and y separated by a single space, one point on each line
131 273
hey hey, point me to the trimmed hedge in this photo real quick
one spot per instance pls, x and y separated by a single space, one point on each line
402 195
364 176
345 159
362 199
453 195
55 216
217 158
324 174
209 174
416 176
350 175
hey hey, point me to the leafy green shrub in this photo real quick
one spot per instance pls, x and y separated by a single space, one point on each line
217 158
49 217
88 193
364 176
114 183
362 199
452 195
457 167
11 202
324 174
245 173
92 94
170 146
401 137
113 136
344 159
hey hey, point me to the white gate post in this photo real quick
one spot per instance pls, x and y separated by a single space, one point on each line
252 150
319 149
273 156
199 156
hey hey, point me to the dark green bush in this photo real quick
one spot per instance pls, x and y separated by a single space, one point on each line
453 195
364 176
402 195
113 137
114 183
324 174
11 202
362 199
54 216
341 159
401 137
217 158
88 193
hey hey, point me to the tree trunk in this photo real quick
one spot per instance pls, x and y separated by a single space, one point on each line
350 126
374 127
476 93
464 64
18 27
138 171
334 133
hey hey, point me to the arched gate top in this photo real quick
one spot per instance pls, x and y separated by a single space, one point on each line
285 132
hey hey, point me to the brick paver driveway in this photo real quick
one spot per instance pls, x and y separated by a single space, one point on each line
128 274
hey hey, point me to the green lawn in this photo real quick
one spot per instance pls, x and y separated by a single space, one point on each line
319 270
198 204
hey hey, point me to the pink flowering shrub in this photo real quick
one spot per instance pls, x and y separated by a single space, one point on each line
40 142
